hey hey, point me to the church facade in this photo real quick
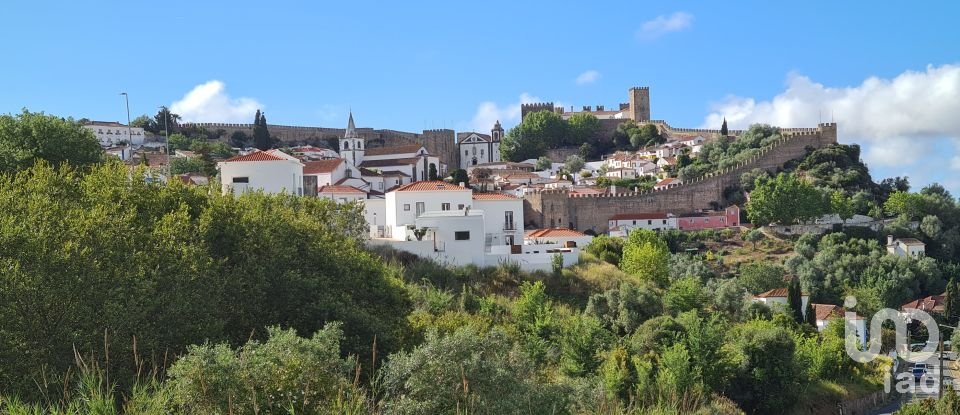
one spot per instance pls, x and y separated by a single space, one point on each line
476 148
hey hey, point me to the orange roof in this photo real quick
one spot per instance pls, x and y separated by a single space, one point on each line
257 156
493 196
554 233
339 189
776 292
644 216
666 181
321 166
932 303
430 186
402 149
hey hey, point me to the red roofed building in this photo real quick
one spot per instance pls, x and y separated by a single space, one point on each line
930 304
655 221
271 171
341 194
557 235
777 297
729 217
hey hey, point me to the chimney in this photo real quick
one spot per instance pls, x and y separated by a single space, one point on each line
889 239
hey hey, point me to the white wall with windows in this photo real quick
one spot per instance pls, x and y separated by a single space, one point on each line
275 176
503 222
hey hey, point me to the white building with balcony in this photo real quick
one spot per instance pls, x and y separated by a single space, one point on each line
113 133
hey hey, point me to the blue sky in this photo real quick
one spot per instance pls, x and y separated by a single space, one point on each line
888 74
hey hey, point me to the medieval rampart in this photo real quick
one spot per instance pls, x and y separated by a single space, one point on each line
556 208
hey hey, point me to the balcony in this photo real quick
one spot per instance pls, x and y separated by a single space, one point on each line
509 226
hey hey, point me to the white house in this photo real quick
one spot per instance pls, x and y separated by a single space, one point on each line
503 222
908 247
667 183
449 224
654 221
124 153
826 313
271 171
622 173
562 236
777 297
113 133
326 172
341 194
476 148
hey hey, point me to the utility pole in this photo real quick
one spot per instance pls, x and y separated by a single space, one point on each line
940 395
129 131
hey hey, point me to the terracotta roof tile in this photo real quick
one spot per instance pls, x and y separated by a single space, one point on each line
321 166
430 186
931 303
339 189
388 162
403 149
554 233
256 156
493 196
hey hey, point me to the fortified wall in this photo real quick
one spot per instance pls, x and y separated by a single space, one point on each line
439 142
557 208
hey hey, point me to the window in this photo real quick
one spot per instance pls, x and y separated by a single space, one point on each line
406 207
346 145
508 220
649 222
444 206
634 222
664 221
460 206
420 209
359 146
466 152
241 180
461 235
380 185
481 152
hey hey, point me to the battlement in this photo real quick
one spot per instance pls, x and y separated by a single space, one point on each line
640 88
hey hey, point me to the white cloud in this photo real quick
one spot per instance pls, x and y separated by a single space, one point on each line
898 119
209 102
588 77
662 25
488 112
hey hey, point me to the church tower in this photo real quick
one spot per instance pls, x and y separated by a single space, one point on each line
496 134
352 145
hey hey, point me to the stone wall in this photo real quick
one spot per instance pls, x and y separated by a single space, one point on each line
555 208
439 142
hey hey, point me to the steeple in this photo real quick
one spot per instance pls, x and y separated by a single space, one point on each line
351 128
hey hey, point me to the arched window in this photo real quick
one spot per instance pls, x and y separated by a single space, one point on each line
474 161
359 145
346 145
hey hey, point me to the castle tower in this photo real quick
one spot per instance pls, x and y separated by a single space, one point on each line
640 103
496 134
352 145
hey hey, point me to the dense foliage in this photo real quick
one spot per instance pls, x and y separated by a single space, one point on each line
26 138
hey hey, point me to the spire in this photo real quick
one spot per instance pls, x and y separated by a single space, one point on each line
351 129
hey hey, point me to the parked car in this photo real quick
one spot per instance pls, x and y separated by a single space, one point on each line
919 370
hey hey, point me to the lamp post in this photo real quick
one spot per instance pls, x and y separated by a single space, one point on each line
129 131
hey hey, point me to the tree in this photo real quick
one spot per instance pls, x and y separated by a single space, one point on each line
165 121
623 309
753 236
432 173
606 248
181 165
544 163
516 146
723 128
810 316
239 139
573 164
760 276
646 256
795 300
952 300
460 176
261 136
931 226
142 121
684 294
764 378
583 128
29 137
910 205
784 200
841 205
179 141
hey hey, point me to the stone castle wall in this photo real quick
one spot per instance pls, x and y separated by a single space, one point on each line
439 142
556 208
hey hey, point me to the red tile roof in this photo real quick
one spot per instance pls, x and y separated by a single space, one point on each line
665 182
339 189
403 149
321 166
554 233
932 303
776 292
389 162
430 186
493 196
256 156
639 216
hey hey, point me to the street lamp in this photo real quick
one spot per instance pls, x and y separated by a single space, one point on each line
129 131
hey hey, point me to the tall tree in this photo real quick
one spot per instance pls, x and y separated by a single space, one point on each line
29 137
646 256
810 314
723 128
261 137
795 299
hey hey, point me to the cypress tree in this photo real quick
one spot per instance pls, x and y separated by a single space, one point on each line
794 300
723 128
811 315
261 137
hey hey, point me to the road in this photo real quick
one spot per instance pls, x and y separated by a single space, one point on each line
929 385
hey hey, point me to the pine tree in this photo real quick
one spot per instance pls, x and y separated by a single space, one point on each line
794 300
723 128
